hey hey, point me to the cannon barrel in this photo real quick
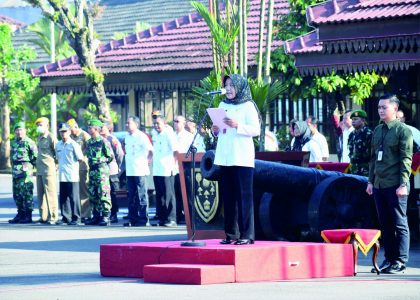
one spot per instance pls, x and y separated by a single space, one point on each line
292 201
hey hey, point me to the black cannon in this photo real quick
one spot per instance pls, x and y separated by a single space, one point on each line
296 203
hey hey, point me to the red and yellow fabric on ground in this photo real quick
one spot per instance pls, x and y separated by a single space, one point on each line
365 237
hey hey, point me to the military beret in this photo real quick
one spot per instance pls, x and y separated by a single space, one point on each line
64 127
19 125
95 122
359 113
71 122
41 120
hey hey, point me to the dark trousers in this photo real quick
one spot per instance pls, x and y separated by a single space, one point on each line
138 201
70 201
165 198
180 217
392 213
115 186
236 192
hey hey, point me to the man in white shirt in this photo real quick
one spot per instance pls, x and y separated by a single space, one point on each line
184 140
164 169
414 131
199 141
138 156
69 154
347 129
320 151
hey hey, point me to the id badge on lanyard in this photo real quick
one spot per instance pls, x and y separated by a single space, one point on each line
380 154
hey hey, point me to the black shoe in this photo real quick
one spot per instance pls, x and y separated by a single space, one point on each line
104 221
27 217
385 264
73 223
132 224
243 242
113 219
17 218
395 268
170 224
226 241
92 221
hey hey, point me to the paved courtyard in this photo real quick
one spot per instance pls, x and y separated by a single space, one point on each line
62 262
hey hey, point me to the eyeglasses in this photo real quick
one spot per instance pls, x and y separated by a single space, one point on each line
176 121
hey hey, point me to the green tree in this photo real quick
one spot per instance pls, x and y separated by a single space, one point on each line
15 86
223 29
77 25
42 30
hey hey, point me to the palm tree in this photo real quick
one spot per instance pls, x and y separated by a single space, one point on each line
42 31
223 29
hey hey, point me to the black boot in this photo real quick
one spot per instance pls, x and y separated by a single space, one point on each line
17 218
113 218
27 218
104 220
94 220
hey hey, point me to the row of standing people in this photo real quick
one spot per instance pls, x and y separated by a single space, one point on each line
84 168
89 165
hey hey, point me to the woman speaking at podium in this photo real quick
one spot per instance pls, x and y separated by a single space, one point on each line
235 154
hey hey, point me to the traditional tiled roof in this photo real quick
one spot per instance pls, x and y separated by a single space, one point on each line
364 35
118 16
181 44
340 11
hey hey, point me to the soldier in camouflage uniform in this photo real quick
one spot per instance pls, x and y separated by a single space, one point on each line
359 144
23 154
99 154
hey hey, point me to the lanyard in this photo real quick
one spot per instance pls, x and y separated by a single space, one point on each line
381 147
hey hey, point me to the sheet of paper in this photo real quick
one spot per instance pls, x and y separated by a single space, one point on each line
217 115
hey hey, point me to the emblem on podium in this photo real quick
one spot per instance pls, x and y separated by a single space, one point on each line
206 199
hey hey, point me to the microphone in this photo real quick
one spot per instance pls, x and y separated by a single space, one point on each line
221 92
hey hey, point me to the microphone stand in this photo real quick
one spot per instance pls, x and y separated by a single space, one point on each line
193 150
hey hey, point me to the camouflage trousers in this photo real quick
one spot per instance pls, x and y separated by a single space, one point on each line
23 192
361 169
99 190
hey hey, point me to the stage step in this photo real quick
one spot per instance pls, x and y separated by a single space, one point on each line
189 273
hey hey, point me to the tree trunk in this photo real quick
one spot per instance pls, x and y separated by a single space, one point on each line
269 39
261 40
245 38
87 60
261 147
5 137
240 41
99 95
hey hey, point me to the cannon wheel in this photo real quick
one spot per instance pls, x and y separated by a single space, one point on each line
266 212
341 202
209 170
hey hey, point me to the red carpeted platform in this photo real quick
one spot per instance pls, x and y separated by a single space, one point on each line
262 261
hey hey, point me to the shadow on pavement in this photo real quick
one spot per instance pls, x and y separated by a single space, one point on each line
56 278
